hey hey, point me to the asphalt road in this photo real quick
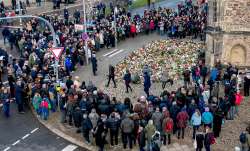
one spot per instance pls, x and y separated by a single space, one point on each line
22 132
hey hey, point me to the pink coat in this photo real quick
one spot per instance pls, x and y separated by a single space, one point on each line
238 99
152 25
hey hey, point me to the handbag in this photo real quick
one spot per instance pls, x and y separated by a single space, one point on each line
195 143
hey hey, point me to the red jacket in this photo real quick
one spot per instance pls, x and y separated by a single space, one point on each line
133 28
238 100
182 118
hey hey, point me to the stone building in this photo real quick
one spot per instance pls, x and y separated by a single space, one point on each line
228 33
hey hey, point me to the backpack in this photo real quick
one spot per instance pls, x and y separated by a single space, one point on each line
243 138
169 126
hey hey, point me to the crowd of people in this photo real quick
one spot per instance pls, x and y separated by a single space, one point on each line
207 98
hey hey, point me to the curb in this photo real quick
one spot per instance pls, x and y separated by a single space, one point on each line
63 135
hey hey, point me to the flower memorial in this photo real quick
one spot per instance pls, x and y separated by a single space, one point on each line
171 55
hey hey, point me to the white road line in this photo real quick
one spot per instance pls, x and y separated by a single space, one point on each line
70 148
34 130
27 135
110 52
6 149
18 141
116 53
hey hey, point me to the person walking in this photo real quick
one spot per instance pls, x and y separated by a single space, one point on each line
196 121
182 119
94 63
127 80
245 139
157 118
217 122
111 75
141 137
127 126
147 83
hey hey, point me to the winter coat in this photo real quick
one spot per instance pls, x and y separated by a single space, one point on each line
19 94
94 63
199 139
167 125
174 111
100 133
182 119
149 131
36 101
94 117
207 118
127 125
77 116
127 78
86 124
147 81
141 138
157 119
238 99
133 28
113 124
196 119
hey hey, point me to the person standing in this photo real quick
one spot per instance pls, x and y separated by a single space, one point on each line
246 84
111 75
19 96
207 118
157 118
100 135
167 128
199 138
5 98
182 119
86 127
94 64
209 139
196 121
113 123
217 122
127 126
147 83
127 80
149 132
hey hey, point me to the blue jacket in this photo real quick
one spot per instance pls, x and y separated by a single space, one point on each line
195 119
19 94
207 118
214 73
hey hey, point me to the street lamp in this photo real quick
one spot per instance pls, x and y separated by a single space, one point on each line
85 30
115 26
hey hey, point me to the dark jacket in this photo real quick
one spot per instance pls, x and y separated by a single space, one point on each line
142 138
113 123
147 81
86 124
127 125
199 139
94 63
127 78
77 116
111 71
19 94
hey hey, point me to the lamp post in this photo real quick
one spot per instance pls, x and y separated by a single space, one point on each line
85 30
115 26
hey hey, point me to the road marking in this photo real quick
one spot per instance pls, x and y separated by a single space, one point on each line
70 148
27 135
110 52
116 53
18 141
6 149
34 130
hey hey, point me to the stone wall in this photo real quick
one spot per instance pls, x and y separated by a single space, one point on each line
238 47
236 15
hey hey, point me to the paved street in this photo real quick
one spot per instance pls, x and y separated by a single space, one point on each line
23 132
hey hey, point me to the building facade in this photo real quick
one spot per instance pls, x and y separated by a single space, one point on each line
228 32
